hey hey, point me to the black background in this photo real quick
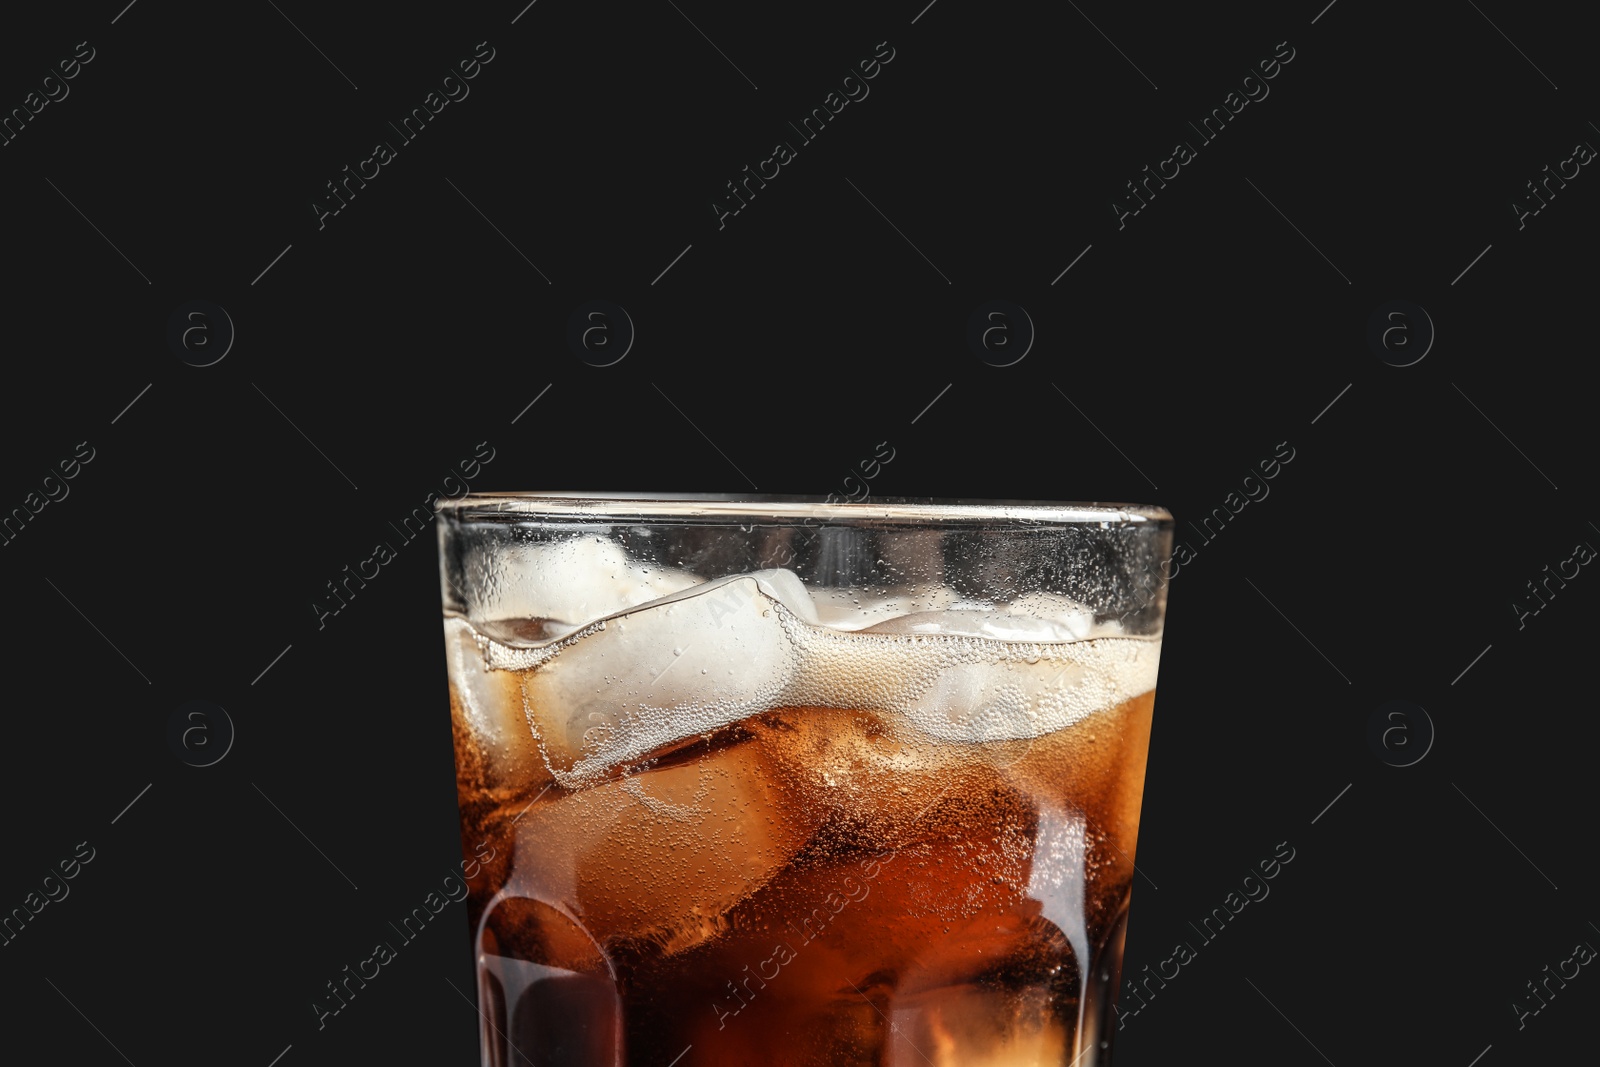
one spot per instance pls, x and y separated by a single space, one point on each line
380 349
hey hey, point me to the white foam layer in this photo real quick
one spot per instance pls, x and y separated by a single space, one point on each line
679 667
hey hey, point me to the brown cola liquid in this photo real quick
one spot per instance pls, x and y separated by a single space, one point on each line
805 886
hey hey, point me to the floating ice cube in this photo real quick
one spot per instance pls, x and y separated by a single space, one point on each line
487 708
672 670
563 585
1033 690
662 853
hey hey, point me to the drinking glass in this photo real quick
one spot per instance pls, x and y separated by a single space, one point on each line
787 781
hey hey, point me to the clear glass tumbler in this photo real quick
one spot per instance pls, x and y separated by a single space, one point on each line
767 780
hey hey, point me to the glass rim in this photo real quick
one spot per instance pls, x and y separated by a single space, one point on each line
715 508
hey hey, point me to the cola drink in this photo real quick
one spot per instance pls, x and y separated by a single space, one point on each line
876 806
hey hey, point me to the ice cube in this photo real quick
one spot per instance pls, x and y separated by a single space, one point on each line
573 582
1028 690
662 854
495 752
664 674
